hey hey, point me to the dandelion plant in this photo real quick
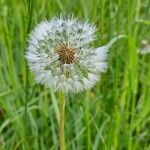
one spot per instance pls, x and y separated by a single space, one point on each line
62 57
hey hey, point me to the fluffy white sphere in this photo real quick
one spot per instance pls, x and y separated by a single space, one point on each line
61 55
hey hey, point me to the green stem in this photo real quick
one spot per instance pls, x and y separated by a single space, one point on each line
62 123
30 11
88 122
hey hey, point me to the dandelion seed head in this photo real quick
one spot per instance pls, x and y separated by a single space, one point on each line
61 55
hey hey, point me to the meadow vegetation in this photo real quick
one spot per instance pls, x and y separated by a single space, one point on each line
114 115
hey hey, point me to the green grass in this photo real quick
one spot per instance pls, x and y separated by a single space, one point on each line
114 115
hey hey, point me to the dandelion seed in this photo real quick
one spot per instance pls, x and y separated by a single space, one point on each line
62 57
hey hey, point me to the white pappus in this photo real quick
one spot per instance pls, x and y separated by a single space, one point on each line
61 55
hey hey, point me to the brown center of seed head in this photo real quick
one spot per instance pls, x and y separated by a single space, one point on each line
66 53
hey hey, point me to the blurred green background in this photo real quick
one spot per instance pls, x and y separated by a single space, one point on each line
114 115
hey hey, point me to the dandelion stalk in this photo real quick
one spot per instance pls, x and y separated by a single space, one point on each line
62 123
